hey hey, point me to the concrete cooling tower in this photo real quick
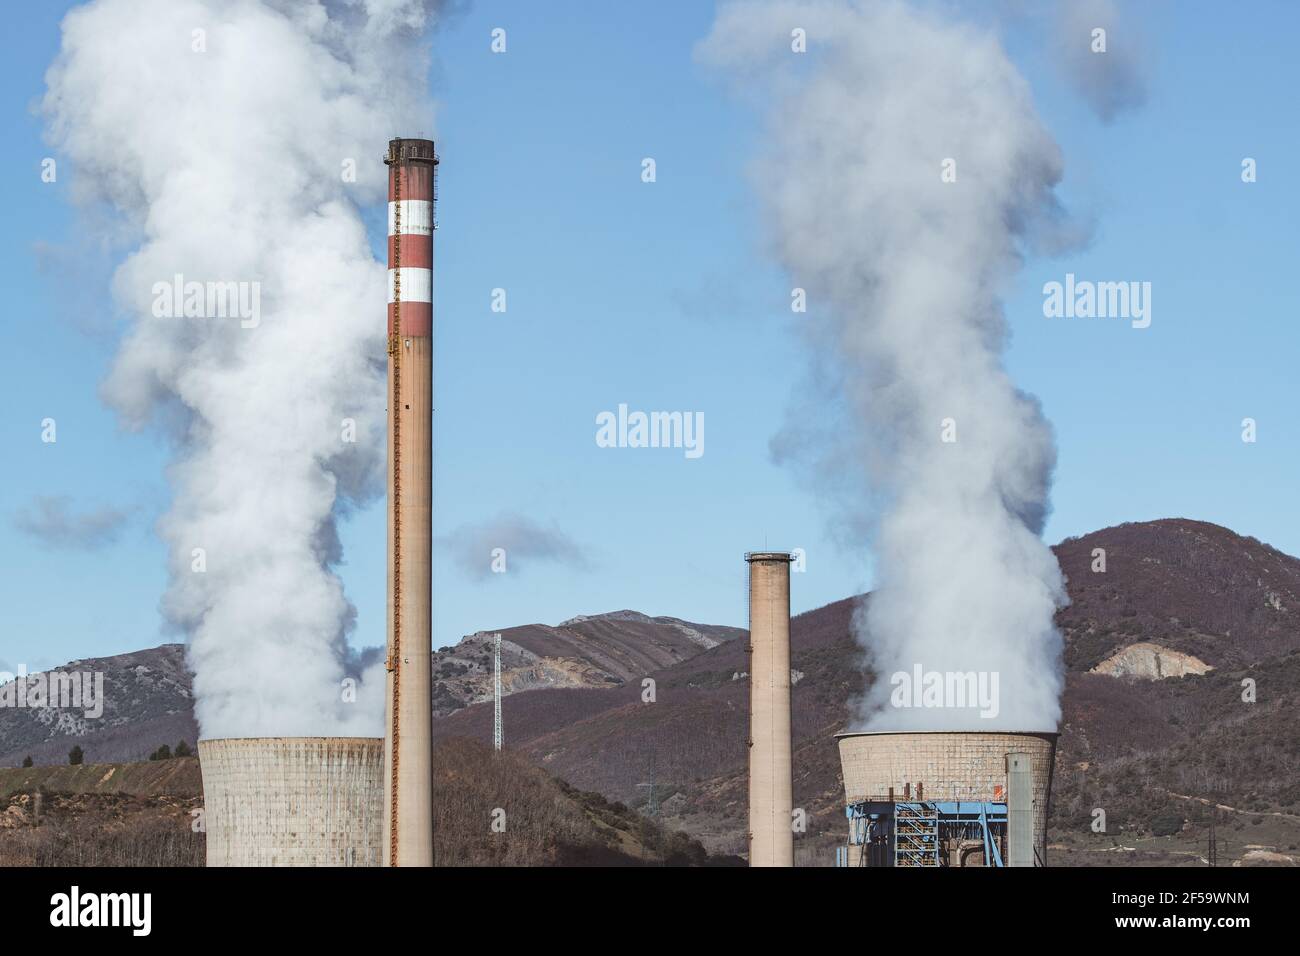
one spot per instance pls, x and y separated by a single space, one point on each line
946 799
293 801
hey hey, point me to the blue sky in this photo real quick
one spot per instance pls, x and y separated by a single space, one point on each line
661 296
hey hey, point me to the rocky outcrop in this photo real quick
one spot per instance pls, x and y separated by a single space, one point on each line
1147 661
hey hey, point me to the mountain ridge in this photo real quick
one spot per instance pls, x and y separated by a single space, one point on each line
1183 589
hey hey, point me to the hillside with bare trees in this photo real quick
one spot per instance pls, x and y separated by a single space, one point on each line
1151 750
146 814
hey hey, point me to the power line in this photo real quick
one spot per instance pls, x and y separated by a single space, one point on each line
498 731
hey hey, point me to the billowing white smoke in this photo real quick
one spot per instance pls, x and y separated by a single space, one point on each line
904 273
224 133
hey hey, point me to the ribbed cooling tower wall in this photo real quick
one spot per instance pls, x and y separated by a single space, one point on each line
293 801
947 766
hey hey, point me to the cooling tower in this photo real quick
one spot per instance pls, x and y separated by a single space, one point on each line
947 766
293 801
771 788
408 728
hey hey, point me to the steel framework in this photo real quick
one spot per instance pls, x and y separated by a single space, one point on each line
498 731
916 833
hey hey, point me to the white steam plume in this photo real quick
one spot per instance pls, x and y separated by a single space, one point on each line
904 274
220 133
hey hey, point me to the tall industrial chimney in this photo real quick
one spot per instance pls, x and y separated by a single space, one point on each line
408 731
771 787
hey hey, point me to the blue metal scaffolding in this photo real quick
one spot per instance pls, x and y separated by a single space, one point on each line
917 832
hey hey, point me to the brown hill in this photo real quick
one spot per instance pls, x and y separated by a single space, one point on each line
692 736
1126 744
148 700
142 814
549 822
595 651
1148 752
1187 585
133 814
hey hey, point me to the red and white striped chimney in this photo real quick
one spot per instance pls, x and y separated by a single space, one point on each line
411 178
408 731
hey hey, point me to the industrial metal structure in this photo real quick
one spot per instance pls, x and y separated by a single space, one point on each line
946 798
498 730
771 785
408 733
293 801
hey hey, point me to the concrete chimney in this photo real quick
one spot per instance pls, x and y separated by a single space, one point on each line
408 729
771 787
